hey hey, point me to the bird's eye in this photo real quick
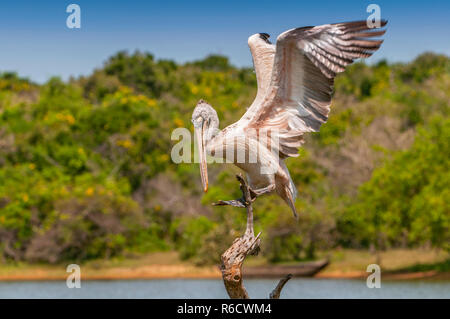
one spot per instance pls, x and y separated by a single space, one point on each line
197 121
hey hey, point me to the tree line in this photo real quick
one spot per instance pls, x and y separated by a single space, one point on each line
85 168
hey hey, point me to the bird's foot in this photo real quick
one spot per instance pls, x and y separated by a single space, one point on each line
254 193
234 202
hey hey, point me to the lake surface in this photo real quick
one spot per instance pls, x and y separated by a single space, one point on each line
213 288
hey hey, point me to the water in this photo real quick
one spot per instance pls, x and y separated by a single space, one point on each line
212 288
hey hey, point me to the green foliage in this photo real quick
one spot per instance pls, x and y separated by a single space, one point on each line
138 71
192 234
332 131
424 67
10 81
49 216
443 266
214 63
406 197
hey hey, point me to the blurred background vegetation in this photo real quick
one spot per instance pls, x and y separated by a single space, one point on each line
85 168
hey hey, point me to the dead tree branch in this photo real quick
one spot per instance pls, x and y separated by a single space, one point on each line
275 294
248 244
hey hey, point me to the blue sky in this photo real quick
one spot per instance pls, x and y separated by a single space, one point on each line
36 42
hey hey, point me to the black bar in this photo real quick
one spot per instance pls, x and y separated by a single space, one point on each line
225 308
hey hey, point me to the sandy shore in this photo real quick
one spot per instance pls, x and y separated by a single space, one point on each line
386 275
345 264
142 272
184 271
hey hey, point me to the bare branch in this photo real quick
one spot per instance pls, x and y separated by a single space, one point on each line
275 294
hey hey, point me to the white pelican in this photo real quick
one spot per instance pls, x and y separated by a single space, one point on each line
295 82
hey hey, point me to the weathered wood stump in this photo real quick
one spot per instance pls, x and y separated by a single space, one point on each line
248 244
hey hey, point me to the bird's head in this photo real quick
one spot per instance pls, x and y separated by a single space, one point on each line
206 123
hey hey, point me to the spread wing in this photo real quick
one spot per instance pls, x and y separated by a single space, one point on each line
263 54
306 62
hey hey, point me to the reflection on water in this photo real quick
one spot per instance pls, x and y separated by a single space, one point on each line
205 288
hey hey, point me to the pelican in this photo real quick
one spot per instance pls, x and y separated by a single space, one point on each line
295 81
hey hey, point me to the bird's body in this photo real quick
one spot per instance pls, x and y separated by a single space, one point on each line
234 145
295 81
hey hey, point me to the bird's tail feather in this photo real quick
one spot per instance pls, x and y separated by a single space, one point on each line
290 191
290 200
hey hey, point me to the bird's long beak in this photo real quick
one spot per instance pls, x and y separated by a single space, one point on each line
199 132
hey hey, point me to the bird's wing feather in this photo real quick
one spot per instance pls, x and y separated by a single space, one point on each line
305 65
263 54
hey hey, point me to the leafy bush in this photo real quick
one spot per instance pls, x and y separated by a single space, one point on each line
405 198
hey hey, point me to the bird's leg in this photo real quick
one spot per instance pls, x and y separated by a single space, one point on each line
254 193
